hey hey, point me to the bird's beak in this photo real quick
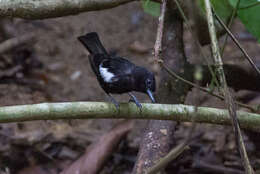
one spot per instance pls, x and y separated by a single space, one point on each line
149 92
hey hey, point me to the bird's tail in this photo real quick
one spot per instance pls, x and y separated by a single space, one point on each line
92 43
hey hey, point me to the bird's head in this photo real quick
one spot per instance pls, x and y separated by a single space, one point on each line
150 86
145 82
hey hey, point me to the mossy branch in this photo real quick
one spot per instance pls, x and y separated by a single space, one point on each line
41 9
98 110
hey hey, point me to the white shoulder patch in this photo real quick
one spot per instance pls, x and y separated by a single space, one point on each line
105 74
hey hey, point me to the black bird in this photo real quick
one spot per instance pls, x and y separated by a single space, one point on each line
117 75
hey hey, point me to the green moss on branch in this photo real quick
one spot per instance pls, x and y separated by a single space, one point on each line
41 9
98 110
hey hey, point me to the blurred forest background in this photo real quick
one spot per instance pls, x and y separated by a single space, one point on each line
53 67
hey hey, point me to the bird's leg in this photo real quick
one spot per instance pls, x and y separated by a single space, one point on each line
134 99
113 101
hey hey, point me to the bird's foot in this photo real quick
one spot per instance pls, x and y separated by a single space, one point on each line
134 99
116 104
114 101
136 103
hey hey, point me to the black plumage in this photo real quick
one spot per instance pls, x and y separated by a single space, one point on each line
117 75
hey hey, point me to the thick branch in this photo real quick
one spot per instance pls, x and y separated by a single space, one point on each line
169 43
41 9
98 110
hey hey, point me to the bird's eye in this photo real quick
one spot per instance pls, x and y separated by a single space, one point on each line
149 82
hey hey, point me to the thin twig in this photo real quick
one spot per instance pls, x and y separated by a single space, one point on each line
157 49
228 98
186 22
10 72
203 55
174 153
16 41
237 43
250 5
173 74
158 42
234 12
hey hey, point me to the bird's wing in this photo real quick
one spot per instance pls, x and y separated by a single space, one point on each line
95 61
115 69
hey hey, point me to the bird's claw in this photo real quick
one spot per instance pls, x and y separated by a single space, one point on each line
116 105
136 103
114 101
134 99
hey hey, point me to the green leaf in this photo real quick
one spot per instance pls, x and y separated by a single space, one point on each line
250 16
150 7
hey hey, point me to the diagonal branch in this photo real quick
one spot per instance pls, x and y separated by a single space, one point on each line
174 75
233 15
228 98
237 43
16 41
39 9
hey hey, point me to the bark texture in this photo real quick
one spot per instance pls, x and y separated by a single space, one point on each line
42 9
158 139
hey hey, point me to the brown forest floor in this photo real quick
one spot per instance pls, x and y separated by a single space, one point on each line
65 75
